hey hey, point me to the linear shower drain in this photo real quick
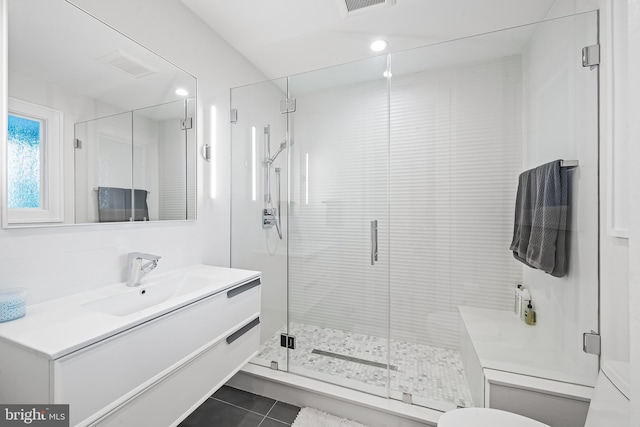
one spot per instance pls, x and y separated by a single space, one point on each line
353 359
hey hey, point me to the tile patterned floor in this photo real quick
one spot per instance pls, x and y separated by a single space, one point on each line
230 407
433 373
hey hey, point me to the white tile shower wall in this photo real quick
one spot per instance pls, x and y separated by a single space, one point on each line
455 158
145 160
455 155
560 118
55 262
172 162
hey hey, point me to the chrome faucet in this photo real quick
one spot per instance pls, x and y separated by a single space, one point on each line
136 270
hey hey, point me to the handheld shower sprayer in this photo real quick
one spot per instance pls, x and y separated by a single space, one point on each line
283 145
271 215
278 211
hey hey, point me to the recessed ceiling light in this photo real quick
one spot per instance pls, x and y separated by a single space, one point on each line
387 74
379 45
181 92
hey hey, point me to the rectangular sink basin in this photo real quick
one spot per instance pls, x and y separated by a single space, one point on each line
133 300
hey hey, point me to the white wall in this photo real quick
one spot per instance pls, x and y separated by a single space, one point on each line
614 156
54 262
634 176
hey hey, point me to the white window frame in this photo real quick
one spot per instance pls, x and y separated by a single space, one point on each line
51 188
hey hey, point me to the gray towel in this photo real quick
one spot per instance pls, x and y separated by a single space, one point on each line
539 234
114 205
140 207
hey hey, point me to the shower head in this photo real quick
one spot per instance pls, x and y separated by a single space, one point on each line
283 145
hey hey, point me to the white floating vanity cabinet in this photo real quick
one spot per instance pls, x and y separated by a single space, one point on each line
152 371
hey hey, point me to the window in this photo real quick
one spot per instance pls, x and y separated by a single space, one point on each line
24 138
34 163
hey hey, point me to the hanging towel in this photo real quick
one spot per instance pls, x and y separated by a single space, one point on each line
140 207
114 205
539 235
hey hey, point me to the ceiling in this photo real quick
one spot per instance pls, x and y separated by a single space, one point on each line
284 37
45 51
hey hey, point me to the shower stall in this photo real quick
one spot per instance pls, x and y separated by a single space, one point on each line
134 166
378 196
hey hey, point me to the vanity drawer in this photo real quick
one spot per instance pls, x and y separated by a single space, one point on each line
100 377
173 398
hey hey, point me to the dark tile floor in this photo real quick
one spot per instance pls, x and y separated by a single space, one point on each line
230 407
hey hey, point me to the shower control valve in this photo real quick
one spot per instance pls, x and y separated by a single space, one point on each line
269 218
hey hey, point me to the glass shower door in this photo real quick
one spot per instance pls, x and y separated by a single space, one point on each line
339 225
103 159
163 157
259 193
467 117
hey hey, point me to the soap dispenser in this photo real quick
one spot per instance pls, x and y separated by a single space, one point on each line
529 315
518 299
525 299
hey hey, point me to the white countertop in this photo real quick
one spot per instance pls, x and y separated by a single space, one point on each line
505 343
58 327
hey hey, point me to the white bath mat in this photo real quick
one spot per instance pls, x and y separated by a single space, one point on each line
309 417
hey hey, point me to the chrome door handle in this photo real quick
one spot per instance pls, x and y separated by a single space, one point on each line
374 241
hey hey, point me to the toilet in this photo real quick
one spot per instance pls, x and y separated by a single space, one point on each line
609 405
485 417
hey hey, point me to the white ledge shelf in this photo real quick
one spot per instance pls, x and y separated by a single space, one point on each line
503 342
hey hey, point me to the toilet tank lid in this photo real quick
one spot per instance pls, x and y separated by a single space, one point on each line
619 374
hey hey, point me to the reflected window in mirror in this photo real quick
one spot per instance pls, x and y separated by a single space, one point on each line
34 139
24 137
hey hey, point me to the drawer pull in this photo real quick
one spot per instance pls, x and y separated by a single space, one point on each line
243 288
240 332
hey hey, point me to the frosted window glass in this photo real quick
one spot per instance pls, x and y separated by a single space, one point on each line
23 168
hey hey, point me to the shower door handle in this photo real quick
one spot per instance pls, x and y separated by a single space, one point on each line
374 241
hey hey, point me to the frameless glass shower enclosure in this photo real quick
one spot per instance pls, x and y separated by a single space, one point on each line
378 196
136 166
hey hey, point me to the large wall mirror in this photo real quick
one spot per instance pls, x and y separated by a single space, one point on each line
98 129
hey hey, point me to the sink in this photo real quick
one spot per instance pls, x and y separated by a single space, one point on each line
133 300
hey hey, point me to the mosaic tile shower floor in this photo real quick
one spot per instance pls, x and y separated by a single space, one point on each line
429 372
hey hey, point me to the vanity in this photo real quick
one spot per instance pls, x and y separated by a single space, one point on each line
144 355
